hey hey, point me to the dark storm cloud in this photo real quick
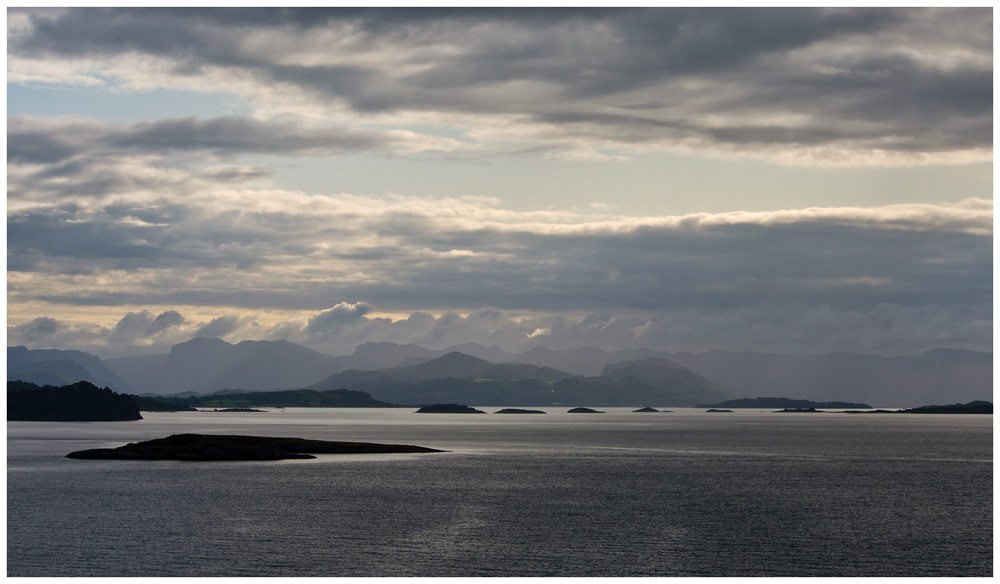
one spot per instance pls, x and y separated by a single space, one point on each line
858 79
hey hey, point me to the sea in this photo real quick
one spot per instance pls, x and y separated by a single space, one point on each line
679 493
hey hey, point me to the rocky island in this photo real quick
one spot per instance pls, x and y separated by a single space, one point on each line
646 409
584 411
518 411
198 447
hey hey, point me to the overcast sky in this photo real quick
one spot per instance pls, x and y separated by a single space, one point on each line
788 180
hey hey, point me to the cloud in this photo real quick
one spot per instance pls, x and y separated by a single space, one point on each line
47 141
238 245
222 326
772 325
339 315
135 326
796 86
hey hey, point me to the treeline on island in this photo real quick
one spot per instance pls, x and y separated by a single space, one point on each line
77 402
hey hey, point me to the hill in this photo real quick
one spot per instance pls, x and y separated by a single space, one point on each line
79 402
568 391
451 365
51 367
668 376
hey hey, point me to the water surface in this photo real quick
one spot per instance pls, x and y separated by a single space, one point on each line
617 494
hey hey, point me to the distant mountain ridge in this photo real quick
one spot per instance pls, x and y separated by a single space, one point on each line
52 367
456 377
207 365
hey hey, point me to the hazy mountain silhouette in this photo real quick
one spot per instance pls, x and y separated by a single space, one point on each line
55 373
936 376
451 365
586 361
456 377
51 364
666 375
369 356
205 365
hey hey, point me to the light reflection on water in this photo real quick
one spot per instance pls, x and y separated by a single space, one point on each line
616 494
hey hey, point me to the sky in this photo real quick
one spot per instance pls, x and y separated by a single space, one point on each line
777 180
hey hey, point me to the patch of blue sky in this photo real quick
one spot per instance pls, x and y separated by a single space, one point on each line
111 104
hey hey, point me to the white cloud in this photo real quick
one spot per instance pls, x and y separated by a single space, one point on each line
772 325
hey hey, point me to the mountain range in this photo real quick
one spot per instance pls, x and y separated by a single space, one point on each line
404 373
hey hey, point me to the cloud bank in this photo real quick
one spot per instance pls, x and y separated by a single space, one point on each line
796 86
119 230
141 219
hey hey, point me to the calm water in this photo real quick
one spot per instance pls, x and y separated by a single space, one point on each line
619 494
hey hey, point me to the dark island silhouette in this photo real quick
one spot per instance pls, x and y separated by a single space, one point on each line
801 411
584 411
79 402
646 409
449 409
519 411
202 447
973 407
784 402
718 411
251 410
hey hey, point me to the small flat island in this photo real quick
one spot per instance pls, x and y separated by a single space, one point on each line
518 411
449 409
206 447
646 410
584 411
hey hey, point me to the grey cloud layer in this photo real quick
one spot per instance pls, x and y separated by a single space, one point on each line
40 141
259 248
833 83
